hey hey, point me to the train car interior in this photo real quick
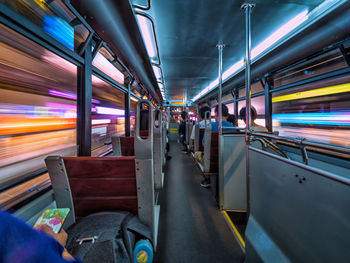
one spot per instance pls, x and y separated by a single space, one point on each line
174 131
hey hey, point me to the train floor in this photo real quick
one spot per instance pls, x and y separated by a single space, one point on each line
192 228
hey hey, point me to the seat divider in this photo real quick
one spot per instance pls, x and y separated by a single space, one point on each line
61 187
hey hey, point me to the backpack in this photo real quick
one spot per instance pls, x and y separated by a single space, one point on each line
106 237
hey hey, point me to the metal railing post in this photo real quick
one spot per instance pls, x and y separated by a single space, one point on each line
220 48
247 7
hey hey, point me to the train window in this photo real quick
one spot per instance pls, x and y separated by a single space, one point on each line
108 115
259 104
37 106
104 61
231 108
255 88
319 112
227 98
327 62
54 18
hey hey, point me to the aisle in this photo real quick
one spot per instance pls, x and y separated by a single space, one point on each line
192 229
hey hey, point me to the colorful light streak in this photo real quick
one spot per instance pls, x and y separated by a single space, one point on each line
314 93
59 29
316 118
68 95
109 111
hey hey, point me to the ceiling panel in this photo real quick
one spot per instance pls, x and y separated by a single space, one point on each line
188 31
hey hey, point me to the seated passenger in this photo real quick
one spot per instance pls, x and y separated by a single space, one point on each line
21 243
182 130
202 112
255 127
231 119
226 126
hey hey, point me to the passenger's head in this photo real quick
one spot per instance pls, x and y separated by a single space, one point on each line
231 118
202 112
224 112
183 115
253 113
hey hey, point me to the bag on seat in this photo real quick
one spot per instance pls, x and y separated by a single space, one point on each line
106 237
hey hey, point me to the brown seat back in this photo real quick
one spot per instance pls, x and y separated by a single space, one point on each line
127 145
144 134
102 184
214 152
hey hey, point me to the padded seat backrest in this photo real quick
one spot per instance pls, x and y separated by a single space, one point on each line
127 145
102 184
144 134
214 152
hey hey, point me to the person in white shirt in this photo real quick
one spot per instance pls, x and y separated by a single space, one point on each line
202 112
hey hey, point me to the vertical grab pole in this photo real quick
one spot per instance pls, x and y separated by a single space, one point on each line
220 48
127 109
247 7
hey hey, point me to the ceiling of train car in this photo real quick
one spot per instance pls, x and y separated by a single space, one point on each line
187 33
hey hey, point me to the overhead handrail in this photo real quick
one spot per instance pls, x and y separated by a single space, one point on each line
303 143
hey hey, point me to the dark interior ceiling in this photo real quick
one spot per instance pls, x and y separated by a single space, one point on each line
188 31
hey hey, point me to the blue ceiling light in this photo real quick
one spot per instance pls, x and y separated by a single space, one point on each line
148 36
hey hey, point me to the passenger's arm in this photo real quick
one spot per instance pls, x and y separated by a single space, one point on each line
61 237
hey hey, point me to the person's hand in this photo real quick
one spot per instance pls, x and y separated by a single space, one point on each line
61 237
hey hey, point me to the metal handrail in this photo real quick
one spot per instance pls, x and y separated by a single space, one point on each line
302 143
266 143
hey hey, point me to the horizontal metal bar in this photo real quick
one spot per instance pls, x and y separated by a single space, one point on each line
108 79
328 147
320 172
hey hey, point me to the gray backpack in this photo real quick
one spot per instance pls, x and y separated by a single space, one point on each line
106 237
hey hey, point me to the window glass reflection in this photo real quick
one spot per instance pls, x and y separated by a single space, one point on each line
37 105
107 114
